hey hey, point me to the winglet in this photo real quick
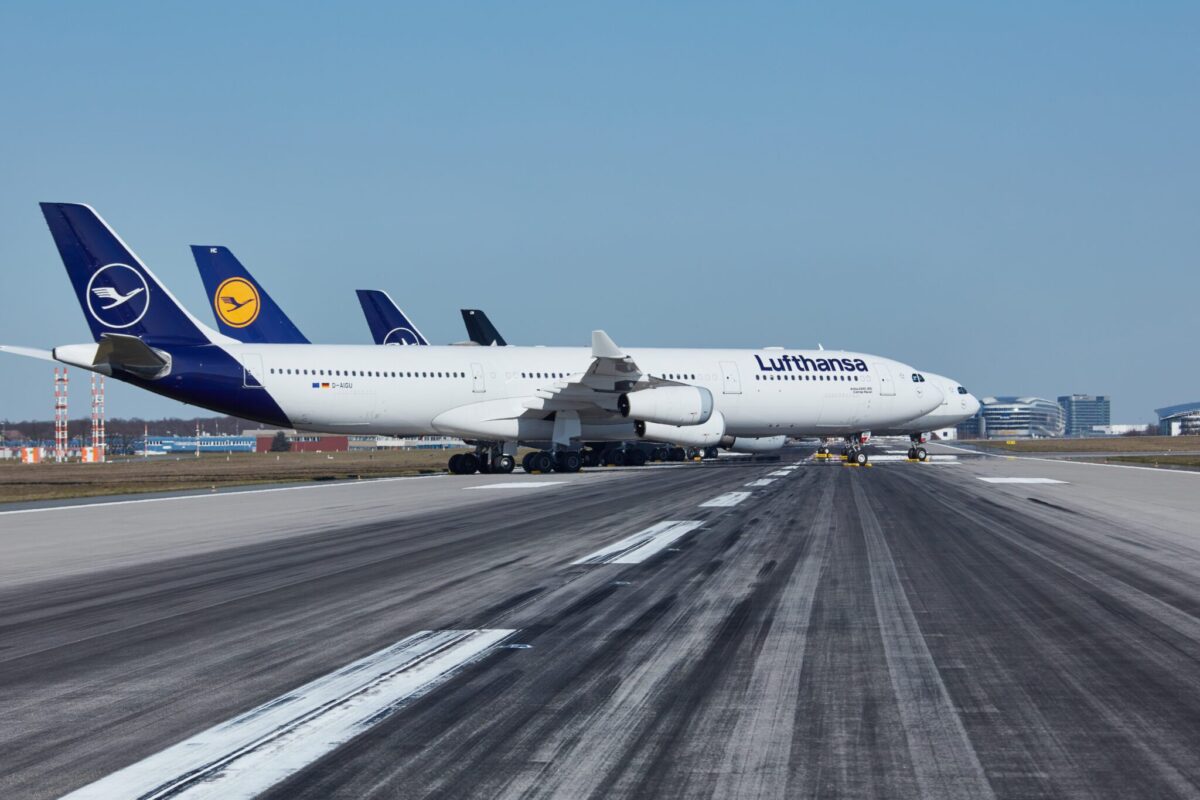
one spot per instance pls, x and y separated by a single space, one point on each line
604 347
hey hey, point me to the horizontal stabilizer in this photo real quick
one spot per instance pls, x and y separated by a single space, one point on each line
28 352
117 352
132 355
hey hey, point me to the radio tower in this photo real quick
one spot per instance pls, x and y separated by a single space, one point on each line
98 439
61 441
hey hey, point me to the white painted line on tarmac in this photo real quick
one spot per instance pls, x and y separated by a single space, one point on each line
1018 480
779 473
640 546
518 485
224 494
245 756
761 482
1077 461
726 500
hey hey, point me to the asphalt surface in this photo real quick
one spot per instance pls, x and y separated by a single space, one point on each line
905 630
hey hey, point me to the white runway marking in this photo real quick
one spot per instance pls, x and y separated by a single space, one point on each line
1019 480
780 473
517 485
1074 461
248 754
637 548
726 500
761 482
222 494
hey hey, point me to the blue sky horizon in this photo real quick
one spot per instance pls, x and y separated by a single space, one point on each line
1005 194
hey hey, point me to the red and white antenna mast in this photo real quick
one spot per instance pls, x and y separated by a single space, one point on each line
61 440
98 438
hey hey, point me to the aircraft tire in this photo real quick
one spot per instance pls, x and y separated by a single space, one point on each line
567 461
504 465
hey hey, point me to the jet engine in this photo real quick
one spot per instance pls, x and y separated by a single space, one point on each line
668 405
744 444
706 434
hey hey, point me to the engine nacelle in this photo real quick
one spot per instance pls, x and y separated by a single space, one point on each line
761 444
668 405
706 434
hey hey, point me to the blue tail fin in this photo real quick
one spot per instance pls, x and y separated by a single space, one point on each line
480 328
387 322
116 290
241 305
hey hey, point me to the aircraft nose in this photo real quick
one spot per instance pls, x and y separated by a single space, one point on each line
973 404
930 398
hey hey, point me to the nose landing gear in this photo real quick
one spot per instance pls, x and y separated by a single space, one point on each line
916 452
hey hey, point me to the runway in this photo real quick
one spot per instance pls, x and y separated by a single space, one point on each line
795 629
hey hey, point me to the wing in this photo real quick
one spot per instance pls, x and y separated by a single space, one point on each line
106 292
594 393
230 301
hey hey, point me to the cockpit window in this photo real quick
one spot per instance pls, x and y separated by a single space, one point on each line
961 390
918 377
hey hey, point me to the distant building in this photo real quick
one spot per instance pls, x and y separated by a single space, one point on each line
1180 420
405 443
1017 418
1121 429
1083 412
161 445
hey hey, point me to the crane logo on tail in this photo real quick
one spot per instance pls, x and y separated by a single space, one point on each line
237 302
117 296
401 336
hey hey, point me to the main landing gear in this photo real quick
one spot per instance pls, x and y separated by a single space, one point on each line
547 461
489 461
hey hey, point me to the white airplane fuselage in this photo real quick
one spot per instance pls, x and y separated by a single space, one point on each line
478 392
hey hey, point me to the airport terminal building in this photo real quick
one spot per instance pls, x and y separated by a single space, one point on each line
1180 420
1015 418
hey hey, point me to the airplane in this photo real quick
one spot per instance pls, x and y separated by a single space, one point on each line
243 309
387 322
558 395
958 405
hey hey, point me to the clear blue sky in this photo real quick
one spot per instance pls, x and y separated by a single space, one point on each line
1007 194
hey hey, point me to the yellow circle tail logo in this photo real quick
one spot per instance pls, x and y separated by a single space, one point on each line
236 302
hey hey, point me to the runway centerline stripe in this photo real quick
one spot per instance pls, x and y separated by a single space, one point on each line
726 500
779 473
640 546
761 482
245 756
1019 480
518 485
